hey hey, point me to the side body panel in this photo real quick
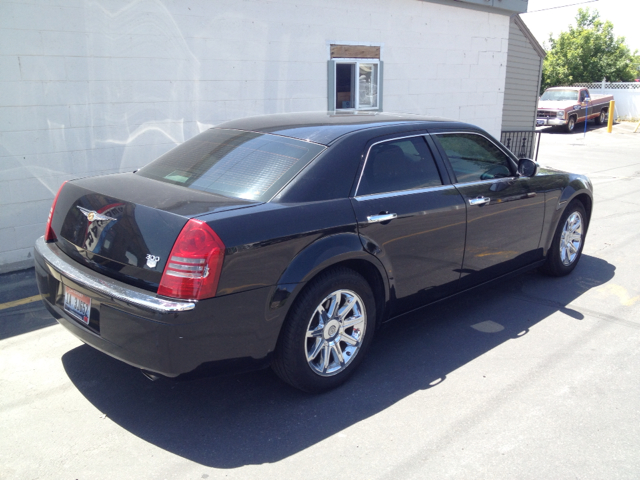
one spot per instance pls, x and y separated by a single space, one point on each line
262 241
421 249
504 234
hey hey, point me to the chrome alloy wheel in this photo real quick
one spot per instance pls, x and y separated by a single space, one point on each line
571 238
335 332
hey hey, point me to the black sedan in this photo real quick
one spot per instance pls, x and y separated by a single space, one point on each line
286 240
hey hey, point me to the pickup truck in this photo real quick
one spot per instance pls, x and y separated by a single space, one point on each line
566 106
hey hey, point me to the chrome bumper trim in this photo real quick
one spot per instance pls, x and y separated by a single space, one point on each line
551 121
109 288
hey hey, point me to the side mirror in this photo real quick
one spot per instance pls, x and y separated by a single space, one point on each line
527 167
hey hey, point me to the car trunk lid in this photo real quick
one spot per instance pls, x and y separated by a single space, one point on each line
125 225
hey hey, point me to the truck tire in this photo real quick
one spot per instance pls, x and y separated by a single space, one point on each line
600 119
571 124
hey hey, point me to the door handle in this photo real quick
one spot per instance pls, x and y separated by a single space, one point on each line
381 218
479 200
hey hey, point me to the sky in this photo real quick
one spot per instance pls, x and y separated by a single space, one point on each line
624 14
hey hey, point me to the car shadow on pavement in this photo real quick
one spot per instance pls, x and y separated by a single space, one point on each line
228 422
21 318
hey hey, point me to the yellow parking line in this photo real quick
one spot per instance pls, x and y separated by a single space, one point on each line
22 301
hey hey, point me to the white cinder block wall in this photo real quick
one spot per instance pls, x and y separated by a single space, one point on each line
90 87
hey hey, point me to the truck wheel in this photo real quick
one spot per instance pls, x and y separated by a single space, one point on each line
571 123
601 118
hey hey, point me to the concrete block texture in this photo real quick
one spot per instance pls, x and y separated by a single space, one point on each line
91 88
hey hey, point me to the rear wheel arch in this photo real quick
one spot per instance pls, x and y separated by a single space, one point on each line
342 250
372 274
376 282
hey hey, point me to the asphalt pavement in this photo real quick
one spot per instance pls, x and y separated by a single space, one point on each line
531 378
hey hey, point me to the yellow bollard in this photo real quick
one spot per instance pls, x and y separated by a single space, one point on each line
612 107
637 126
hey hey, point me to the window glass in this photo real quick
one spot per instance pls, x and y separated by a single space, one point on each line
368 85
233 163
356 85
474 157
399 165
560 95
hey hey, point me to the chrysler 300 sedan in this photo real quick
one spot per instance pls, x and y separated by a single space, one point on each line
286 240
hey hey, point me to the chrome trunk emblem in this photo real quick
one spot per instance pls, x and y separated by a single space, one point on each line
152 261
92 215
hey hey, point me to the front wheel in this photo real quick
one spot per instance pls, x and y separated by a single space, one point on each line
571 124
327 331
568 241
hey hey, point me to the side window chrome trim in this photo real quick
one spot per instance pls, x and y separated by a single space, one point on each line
399 193
481 182
378 143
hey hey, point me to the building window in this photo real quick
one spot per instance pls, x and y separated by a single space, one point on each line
355 81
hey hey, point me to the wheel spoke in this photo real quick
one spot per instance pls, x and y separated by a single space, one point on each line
334 304
351 321
317 348
338 351
323 316
315 333
348 339
576 224
326 351
346 308
563 253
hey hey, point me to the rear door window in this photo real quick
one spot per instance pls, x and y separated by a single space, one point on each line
403 164
234 163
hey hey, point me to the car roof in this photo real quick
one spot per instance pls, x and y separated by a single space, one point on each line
566 88
326 127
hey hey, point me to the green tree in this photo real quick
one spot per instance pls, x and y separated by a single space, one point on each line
588 52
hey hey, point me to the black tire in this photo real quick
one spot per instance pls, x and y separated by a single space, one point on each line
600 119
291 359
564 254
571 124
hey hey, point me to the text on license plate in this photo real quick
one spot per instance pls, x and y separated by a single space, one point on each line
77 305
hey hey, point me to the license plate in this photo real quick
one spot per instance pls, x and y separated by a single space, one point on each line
540 122
77 305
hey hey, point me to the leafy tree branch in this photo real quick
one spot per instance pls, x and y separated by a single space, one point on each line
589 52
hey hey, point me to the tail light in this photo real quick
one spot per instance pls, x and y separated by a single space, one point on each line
49 234
193 269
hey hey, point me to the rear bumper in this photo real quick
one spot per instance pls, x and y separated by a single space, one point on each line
160 335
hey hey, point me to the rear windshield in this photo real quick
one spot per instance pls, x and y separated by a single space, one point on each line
234 163
560 95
